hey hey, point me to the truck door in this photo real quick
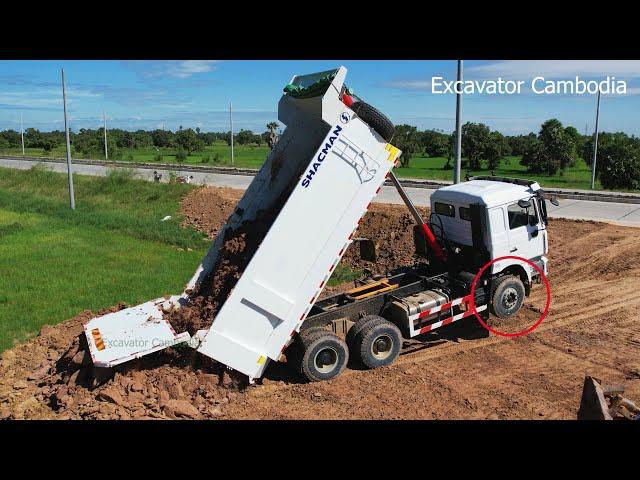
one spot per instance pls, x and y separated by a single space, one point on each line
526 239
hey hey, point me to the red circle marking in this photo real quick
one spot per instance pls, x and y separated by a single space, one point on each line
532 327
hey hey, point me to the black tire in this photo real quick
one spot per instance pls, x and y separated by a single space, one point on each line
378 343
359 325
323 355
507 296
375 119
295 350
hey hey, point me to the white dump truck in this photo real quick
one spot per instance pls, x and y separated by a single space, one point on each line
320 178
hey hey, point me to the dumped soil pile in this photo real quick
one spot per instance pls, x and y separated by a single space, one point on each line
51 377
391 228
237 250
207 209
458 372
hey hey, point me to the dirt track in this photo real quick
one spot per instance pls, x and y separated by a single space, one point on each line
459 372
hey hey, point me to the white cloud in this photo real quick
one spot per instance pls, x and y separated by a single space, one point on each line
177 68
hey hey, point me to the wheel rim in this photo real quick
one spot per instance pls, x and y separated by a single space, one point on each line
382 347
326 360
510 298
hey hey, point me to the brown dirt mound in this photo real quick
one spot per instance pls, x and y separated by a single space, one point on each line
391 228
50 377
236 252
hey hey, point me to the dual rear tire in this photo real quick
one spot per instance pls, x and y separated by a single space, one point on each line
319 354
374 341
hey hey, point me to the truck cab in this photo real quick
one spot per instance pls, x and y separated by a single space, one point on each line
491 217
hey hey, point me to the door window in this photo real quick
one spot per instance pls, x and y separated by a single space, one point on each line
521 217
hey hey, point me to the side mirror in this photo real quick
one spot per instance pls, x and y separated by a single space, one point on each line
367 249
554 201
524 203
535 233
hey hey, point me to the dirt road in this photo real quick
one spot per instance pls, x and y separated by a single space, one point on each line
460 372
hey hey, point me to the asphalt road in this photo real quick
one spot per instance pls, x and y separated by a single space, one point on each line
620 213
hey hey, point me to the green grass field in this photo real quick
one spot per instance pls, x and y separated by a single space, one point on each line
578 176
113 247
252 156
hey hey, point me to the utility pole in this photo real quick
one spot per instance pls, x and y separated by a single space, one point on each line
22 133
233 163
72 199
458 166
104 118
595 144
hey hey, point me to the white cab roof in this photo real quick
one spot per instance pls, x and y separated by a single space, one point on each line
487 192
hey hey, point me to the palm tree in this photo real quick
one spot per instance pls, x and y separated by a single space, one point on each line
272 126
273 136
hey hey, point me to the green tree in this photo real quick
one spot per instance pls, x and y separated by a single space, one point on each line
11 137
406 139
554 150
162 138
451 148
495 149
272 127
618 160
244 137
558 144
476 138
142 139
519 144
577 139
188 140
434 143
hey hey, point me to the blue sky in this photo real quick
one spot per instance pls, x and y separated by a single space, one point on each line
156 94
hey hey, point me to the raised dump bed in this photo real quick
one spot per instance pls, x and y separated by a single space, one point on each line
313 190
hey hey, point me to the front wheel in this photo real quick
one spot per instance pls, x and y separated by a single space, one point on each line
507 296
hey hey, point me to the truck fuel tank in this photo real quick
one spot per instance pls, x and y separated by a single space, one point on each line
401 310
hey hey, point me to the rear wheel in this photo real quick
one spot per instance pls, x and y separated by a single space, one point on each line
376 343
507 297
319 354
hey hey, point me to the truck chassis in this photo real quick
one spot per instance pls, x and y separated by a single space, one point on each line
378 301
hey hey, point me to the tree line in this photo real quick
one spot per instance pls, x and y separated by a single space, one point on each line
91 141
552 150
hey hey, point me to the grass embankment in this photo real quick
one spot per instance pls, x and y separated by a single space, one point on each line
55 263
